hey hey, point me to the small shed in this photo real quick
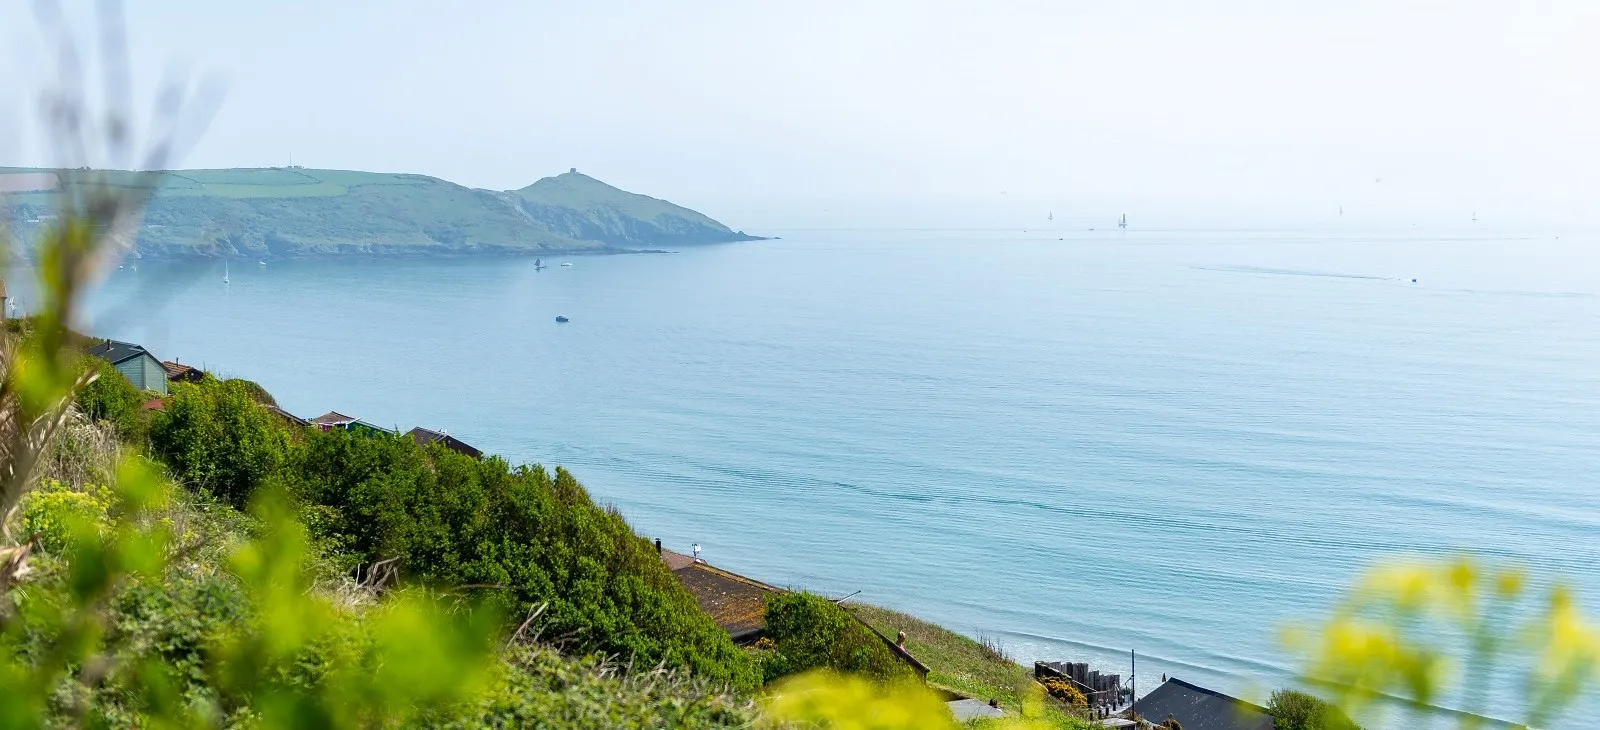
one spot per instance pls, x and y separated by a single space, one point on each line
1198 708
179 373
135 363
424 436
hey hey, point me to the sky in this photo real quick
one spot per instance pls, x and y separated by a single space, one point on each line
824 111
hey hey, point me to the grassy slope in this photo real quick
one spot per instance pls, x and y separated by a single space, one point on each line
961 665
576 205
268 212
539 688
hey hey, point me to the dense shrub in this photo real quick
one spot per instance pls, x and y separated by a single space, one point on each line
522 538
1293 710
53 512
526 538
545 690
254 389
214 437
112 398
808 631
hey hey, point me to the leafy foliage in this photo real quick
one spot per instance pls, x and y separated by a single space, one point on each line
544 690
529 539
214 437
1294 710
110 397
808 631
256 392
116 627
524 538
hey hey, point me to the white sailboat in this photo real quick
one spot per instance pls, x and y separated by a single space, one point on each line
225 278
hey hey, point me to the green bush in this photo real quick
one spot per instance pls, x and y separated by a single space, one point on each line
1293 710
257 393
525 538
54 513
808 631
112 398
215 437
521 538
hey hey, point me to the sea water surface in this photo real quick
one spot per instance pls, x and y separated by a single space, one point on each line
1080 444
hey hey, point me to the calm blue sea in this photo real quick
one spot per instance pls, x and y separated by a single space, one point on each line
1077 443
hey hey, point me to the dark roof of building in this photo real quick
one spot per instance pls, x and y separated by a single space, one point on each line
116 352
1198 708
333 418
735 602
428 436
179 371
676 561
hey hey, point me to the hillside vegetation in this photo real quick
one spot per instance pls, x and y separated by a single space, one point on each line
288 212
529 541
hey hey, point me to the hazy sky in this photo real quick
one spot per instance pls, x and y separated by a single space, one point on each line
773 109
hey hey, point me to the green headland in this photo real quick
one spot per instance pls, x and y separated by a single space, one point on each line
283 212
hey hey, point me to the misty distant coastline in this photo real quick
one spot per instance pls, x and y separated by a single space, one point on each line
294 212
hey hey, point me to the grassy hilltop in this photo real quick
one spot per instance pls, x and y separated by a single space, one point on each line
287 212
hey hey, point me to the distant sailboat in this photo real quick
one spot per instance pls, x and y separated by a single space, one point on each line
1474 216
1050 216
538 265
225 278
1123 224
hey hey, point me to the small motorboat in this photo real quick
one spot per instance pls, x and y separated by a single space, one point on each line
566 263
562 319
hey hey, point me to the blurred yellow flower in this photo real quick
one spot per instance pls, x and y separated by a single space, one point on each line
1397 632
